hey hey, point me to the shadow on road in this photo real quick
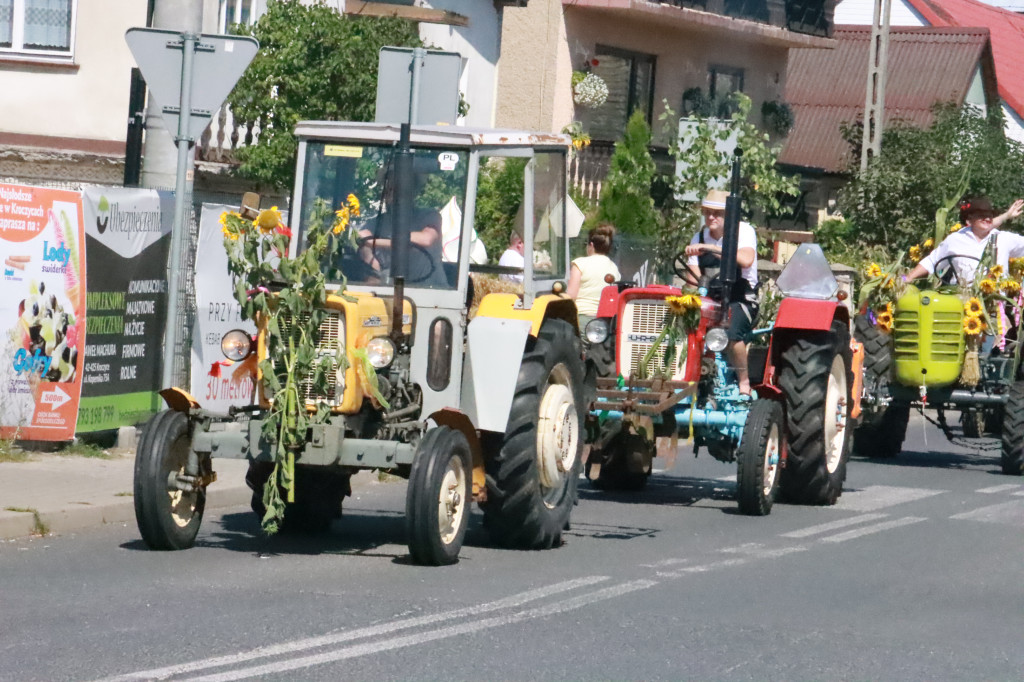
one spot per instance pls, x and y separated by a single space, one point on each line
667 491
966 454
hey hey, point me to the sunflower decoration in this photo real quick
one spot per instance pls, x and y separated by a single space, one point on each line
874 270
268 220
675 304
884 321
995 272
988 286
1017 268
232 225
344 215
1010 287
973 308
973 326
683 316
928 244
914 254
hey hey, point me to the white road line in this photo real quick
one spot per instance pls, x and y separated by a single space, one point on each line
1011 513
878 497
876 528
703 568
430 636
831 525
1020 494
758 550
665 562
999 488
358 633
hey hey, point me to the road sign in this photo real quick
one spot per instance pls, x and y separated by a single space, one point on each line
435 76
219 62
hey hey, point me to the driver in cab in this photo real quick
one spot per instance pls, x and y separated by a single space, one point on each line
965 247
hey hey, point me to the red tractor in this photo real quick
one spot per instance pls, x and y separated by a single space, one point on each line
794 436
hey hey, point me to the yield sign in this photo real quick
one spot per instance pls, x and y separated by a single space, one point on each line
219 62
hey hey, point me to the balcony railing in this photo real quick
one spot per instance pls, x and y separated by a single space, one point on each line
812 17
223 138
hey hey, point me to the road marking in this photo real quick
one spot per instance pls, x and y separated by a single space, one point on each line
1010 513
831 525
876 528
359 633
703 568
1020 494
430 636
999 488
665 562
877 497
731 478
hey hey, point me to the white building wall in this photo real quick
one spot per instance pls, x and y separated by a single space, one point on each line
479 43
87 99
861 13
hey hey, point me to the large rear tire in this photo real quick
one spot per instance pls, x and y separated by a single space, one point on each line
884 439
532 477
815 380
877 434
168 518
1012 455
757 462
438 498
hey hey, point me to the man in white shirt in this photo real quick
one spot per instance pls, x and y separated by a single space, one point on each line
513 257
963 249
705 258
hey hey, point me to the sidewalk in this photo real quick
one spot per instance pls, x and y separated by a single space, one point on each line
70 493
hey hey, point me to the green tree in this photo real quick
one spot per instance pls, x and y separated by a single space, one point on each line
697 150
626 193
313 64
498 196
920 171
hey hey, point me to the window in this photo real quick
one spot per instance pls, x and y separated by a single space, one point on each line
43 28
630 80
725 80
237 12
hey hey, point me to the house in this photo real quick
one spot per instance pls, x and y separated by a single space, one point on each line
649 53
1005 27
826 89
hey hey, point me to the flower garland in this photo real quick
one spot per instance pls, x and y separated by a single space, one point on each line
681 317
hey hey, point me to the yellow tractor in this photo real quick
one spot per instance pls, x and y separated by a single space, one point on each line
486 407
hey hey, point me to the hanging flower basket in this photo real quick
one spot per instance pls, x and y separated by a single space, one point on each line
590 91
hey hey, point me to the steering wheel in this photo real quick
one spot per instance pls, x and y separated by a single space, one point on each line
680 267
427 255
951 270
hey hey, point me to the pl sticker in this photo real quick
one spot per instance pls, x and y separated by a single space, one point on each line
448 160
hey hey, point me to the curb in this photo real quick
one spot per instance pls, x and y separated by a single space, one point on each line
78 516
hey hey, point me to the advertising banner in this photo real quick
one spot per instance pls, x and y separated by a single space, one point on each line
213 382
127 237
42 312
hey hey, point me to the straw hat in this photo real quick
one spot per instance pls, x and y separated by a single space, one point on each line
715 200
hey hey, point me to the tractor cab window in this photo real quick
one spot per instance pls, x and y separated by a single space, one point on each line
549 209
363 252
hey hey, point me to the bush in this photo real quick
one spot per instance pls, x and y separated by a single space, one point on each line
626 194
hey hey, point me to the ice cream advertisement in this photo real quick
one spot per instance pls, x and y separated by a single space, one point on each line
42 312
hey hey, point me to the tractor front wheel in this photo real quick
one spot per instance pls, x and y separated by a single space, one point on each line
815 380
167 514
1012 455
438 497
534 468
757 462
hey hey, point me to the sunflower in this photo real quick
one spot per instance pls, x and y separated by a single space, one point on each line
230 225
691 302
889 282
956 227
267 220
884 322
874 270
1010 287
1017 268
987 286
341 218
973 326
995 272
915 253
973 308
928 244
353 205
887 308
676 304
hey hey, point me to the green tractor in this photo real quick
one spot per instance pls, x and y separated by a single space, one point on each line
921 364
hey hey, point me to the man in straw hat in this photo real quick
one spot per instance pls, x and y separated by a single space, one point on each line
981 222
705 260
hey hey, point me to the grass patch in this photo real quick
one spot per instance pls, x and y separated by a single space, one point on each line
86 450
10 453
125 494
39 527
385 477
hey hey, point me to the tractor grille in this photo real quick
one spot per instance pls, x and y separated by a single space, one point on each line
332 346
642 321
946 335
906 335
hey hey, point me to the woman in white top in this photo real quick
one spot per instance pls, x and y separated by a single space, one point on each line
587 274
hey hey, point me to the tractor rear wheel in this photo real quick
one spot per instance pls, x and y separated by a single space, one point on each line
1012 455
882 431
533 470
815 381
757 462
972 421
168 517
438 498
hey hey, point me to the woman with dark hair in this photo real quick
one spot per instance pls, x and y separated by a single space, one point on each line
587 274
980 224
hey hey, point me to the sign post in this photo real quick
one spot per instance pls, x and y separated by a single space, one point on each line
189 75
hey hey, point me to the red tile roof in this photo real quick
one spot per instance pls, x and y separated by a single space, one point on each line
1007 29
826 88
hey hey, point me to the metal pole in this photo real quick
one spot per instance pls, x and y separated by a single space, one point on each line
418 55
182 192
874 99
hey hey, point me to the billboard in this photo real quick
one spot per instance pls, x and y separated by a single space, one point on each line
127 238
43 321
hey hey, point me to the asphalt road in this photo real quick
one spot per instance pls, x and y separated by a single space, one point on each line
915 575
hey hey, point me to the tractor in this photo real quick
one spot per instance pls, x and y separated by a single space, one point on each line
486 408
920 365
792 438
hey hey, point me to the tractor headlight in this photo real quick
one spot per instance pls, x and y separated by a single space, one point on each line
716 340
381 352
236 345
597 330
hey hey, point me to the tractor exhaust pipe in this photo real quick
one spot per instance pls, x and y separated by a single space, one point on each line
729 272
400 230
